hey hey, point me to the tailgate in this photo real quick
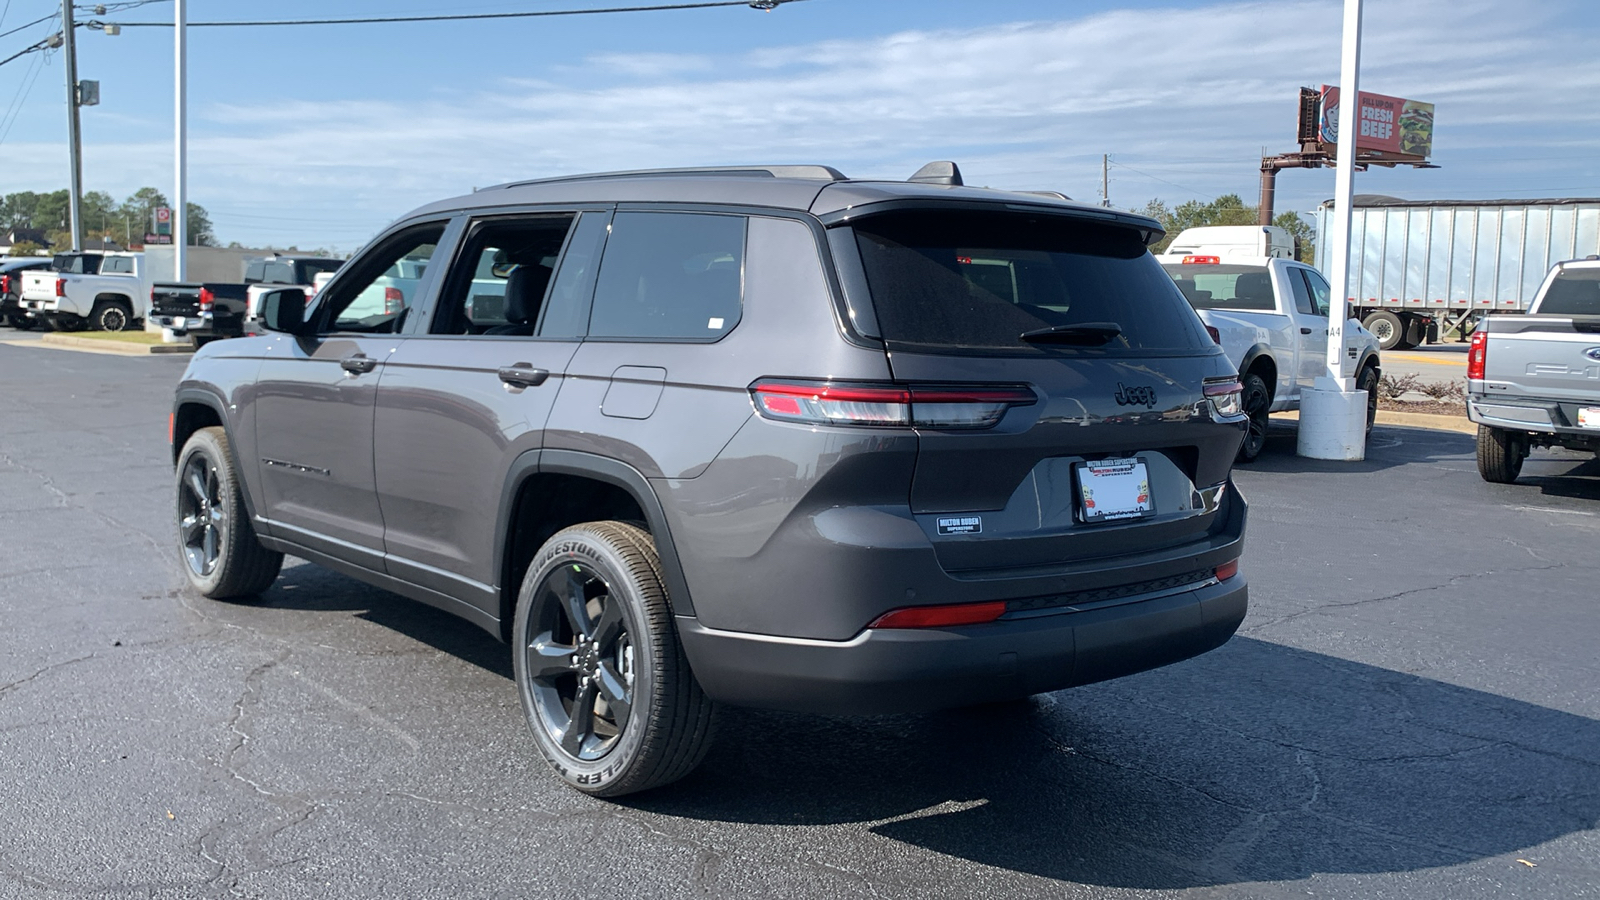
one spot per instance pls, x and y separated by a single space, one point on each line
1554 358
1121 454
175 301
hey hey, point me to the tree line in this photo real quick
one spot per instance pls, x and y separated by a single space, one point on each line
1229 209
103 217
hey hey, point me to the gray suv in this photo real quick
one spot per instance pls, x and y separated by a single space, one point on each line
758 436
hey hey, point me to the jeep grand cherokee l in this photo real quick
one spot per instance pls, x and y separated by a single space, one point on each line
765 436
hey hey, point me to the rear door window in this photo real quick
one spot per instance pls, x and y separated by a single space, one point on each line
969 282
670 276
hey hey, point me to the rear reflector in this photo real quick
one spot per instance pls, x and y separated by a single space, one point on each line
1477 355
820 403
1227 570
942 616
1202 260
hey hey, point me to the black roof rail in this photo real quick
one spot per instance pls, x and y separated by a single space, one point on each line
823 173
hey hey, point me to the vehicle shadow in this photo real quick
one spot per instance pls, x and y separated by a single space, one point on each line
1580 480
1389 447
1257 762
311 588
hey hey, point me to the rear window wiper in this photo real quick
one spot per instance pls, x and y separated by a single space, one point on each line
1084 334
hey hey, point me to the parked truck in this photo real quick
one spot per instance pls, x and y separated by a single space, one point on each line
1421 270
222 309
108 291
1534 380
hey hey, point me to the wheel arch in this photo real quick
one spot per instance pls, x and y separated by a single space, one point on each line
114 298
1370 359
1259 359
611 481
196 408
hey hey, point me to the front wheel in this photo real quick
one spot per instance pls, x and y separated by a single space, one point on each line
1256 401
604 682
1500 454
221 554
1368 381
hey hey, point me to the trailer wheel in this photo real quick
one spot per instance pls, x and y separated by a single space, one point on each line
1500 454
1386 327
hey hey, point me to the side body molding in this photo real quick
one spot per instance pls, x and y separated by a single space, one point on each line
610 471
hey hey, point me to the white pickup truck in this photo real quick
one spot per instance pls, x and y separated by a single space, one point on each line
108 291
1534 380
1270 315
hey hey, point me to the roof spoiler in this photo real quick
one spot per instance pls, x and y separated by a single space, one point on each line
942 172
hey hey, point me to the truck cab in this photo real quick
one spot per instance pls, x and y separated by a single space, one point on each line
1270 314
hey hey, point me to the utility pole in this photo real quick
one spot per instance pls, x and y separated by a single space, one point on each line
180 212
1105 179
70 47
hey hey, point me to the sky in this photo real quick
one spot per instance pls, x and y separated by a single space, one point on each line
318 136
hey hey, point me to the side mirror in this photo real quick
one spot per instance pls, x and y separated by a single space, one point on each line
284 310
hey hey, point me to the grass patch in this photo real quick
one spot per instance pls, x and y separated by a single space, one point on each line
121 337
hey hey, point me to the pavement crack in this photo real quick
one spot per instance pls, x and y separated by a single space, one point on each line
1450 582
11 686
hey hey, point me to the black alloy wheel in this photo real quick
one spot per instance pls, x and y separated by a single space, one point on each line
1368 381
202 516
222 556
580 661
608 693
1256 402
111 317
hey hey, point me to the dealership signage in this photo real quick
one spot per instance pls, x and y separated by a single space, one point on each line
1389 127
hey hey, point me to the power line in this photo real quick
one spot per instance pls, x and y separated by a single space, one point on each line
28 25
1163 180
458 17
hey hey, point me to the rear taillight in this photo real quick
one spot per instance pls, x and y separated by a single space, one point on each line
393 301
819 403
208 300
1477 355
1216 336
5 284
61 287
1226 396
1227 570
941 616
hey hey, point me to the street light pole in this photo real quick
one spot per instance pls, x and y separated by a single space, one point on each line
180 212
69 46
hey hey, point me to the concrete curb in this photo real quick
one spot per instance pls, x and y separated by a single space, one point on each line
1458 424
118 348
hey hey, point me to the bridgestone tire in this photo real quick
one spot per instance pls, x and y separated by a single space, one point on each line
242 567
1500 455
110 315
669 721
1386 327
1256 401
1368 381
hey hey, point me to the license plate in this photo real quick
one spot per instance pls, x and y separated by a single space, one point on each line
1114 489
1589 417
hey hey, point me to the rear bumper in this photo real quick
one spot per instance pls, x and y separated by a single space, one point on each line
1531 414
907 670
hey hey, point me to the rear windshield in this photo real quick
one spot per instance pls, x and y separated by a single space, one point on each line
974 282
1210 286
1574 292
76 264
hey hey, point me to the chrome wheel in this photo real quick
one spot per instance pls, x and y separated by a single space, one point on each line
202 515
579 661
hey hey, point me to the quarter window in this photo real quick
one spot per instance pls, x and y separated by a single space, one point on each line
670 275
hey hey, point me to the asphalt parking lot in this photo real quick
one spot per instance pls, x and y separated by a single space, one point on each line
1412 710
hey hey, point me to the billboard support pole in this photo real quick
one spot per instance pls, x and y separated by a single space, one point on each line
1333 414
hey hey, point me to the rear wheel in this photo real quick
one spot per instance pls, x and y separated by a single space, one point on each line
111 315
1386 327
1257 402
605 685
67 322
220 551
1500 454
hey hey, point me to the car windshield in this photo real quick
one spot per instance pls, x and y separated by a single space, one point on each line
970 282
1229 286
1574 292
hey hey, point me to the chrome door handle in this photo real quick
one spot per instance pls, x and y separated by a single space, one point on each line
360 364
522 375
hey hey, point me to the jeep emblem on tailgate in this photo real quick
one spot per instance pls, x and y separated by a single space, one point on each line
1135 396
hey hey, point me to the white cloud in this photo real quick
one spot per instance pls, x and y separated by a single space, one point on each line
1190 97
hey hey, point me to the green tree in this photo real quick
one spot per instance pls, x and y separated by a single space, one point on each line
1229 209
200 233
26 248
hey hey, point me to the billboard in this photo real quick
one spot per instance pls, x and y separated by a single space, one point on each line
1389 126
